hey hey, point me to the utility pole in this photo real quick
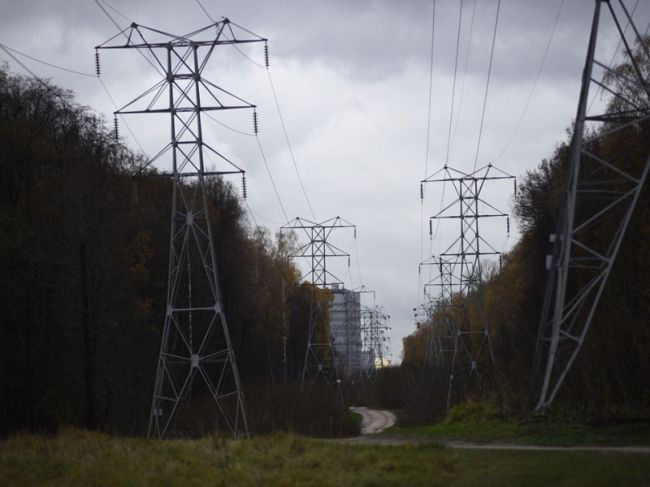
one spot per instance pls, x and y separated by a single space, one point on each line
196 354
320 361
465 255
601 192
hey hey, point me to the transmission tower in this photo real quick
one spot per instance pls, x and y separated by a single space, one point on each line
196 354
464 256
602 189
320 360
376 341
439 307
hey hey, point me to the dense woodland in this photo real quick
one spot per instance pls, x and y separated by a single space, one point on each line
84 242
610 376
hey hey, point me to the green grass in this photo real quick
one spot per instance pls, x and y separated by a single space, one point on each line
77 457
478 424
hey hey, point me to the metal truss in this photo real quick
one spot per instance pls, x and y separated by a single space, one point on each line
320 361
461 273
602 189
196 356
376 342
439 307
372 334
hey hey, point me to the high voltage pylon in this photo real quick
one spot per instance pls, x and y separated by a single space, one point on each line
602 189
462 272
438 308
196 352
320 361
376 342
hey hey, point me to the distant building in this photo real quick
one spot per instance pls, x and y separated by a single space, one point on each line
345 326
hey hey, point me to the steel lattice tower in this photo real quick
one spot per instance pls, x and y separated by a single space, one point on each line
465 256
439 307
320 360
375 339
196 353
601 187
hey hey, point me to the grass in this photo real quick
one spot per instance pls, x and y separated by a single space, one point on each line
473 422
77 457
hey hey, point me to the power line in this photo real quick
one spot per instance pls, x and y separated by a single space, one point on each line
466 64
356 251
286 137
24 67
426 156
232 129
284 129
126 124
487 84
268 170
453 90
250 212
9 51
532 90
433 30
121 14
204 10
259 144
6 47
246 56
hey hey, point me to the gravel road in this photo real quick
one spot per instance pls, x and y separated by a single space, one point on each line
374 420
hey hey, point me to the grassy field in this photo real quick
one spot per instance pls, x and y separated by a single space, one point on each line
548 431
78 457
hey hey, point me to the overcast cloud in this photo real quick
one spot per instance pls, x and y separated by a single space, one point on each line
352 78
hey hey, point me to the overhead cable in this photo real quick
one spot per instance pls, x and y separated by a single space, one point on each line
426 155
16 51
466 64
453 89
487 84
532 90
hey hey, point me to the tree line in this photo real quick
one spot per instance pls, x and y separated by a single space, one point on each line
84 242
610 375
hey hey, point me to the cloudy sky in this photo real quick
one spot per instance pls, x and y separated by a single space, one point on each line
352 80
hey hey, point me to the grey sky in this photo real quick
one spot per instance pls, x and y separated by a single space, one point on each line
352 78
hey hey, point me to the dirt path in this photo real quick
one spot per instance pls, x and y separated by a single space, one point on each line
464 445
374 420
